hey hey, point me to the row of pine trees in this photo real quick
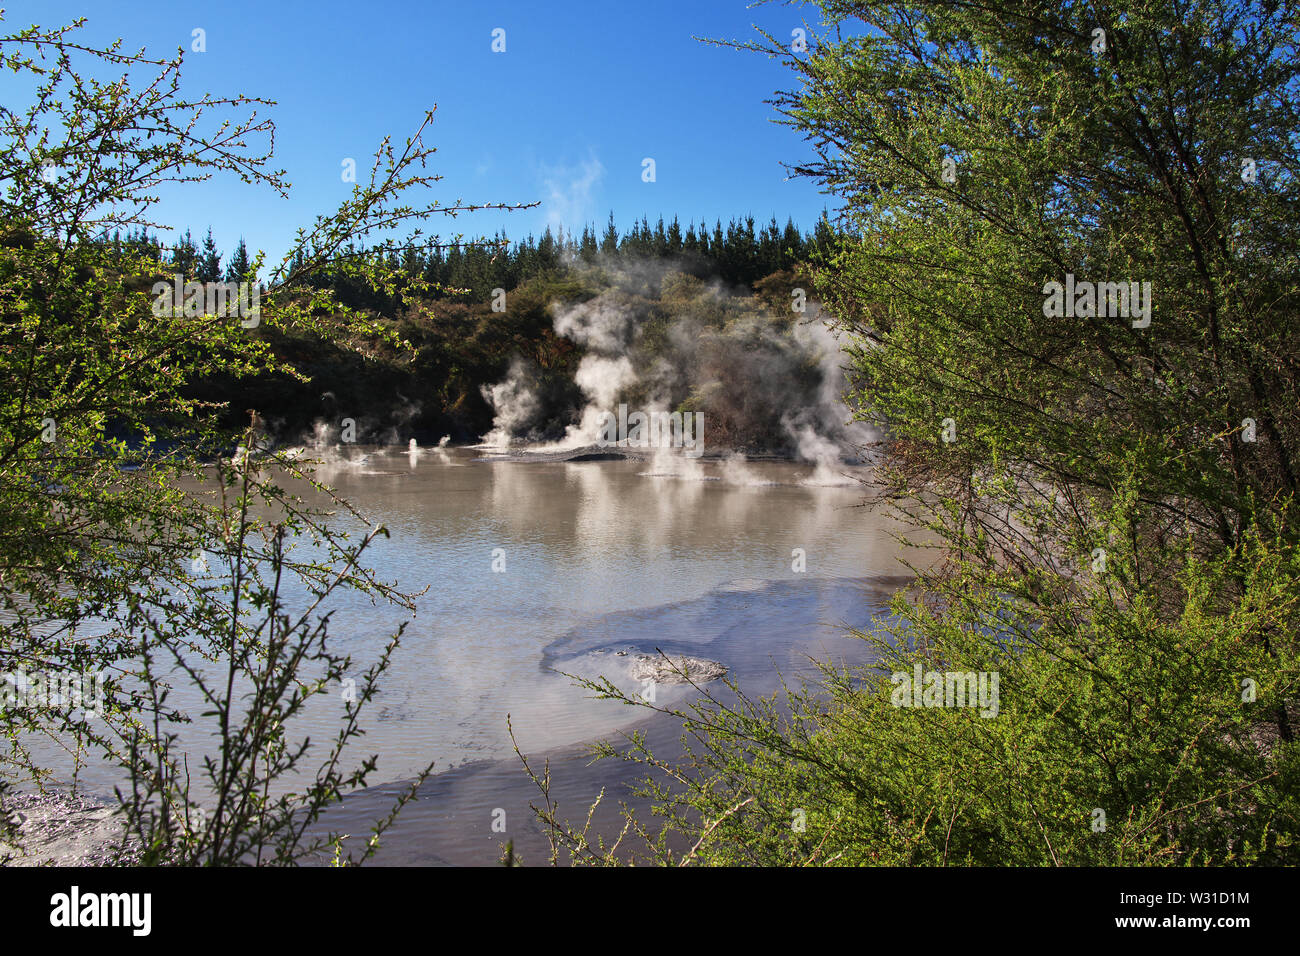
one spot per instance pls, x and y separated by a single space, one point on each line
195 261
739 253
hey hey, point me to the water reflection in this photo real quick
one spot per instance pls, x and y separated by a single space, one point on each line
595 556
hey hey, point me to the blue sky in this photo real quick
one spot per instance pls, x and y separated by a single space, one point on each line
583 93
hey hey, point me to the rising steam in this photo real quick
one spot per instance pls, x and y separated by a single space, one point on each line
765 383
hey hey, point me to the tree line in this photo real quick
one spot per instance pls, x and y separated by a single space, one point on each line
740 253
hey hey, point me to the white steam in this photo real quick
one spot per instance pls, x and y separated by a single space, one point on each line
757 381
514 403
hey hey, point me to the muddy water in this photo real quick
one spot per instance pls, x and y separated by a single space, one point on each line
534 569
602 560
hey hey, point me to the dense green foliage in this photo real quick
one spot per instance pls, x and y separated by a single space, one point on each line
135 549
446 342
1113 502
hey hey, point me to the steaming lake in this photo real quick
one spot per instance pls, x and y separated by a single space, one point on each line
599 557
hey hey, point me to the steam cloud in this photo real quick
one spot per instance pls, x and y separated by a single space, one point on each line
767 384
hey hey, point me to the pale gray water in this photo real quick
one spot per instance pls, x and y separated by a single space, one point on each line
598 557
592 547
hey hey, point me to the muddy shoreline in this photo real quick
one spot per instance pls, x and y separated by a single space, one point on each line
65 830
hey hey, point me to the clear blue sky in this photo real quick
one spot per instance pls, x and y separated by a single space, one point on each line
584 91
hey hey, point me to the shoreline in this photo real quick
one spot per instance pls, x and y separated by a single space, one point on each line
63 829
451 820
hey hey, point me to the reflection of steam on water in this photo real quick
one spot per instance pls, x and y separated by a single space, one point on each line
735 471
329 462
414 452
669 463
825 476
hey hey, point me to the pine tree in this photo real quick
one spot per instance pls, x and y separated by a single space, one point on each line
587 250
675 238
791 244
185 255
609 242
209 261
239 265
660 246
